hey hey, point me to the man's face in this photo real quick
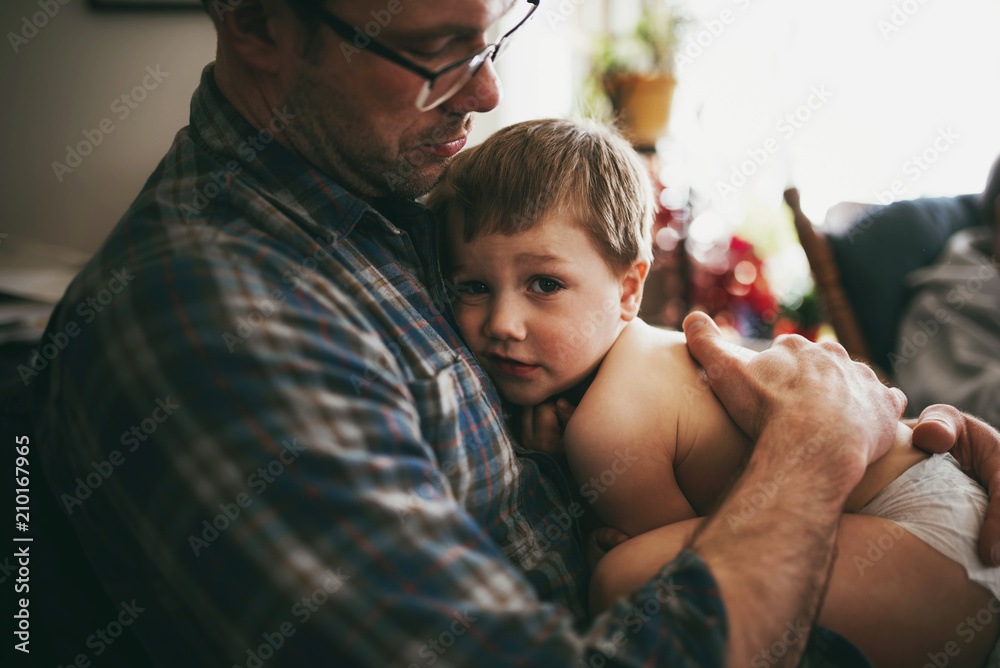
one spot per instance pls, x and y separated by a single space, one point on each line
539 309
356 117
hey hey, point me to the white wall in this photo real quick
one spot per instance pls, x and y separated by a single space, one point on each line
892 93
67 77
63 81
895 74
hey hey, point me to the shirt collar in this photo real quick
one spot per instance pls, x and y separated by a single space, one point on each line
278 174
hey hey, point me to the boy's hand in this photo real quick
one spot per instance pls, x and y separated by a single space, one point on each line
542 426
976 445
600 542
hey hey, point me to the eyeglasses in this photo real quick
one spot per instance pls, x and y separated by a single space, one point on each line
442 84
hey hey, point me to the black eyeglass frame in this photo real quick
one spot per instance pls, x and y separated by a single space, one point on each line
349 32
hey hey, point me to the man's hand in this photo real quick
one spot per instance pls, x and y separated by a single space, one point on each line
817 419
542 426
799 385
976 446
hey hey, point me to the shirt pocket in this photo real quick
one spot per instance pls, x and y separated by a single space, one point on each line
453 412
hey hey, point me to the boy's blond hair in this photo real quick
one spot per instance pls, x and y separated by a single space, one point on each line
528 170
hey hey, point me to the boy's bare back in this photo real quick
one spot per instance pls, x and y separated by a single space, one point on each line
650 407
658 447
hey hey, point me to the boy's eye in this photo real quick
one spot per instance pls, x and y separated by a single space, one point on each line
473 288
545 285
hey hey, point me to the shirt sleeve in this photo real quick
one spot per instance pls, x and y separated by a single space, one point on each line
260 465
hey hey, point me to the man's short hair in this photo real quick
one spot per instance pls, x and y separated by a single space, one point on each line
528 170
305 5
304 9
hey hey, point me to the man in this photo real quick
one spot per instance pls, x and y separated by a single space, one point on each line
297 460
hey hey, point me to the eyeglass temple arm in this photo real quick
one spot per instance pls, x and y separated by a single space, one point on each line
347 32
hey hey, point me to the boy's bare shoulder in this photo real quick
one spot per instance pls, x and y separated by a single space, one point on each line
643 351
650 392
646 366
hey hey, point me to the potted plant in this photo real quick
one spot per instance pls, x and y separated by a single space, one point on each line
636 71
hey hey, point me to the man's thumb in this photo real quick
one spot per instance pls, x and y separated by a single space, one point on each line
938 429
706 345
700 330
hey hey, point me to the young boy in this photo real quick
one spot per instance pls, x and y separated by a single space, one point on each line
548 245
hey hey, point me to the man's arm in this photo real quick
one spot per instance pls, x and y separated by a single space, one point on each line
819 419
292 506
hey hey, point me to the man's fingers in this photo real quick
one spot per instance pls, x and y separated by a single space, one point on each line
989 537
980 445
546 420
976 446
564 409
609 537
938 428
600 542
704 341
728 368
541 428
527 425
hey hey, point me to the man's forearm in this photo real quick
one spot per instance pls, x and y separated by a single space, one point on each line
770 544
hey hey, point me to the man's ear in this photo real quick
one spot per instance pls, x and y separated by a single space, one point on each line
248 30
632 281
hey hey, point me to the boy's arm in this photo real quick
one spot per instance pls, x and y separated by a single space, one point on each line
651 403
621 440
813 460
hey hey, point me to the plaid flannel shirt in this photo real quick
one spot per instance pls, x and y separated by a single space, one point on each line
269 436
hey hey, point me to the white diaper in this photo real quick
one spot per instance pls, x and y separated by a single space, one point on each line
936 502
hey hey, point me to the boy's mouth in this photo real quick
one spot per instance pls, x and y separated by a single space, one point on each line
511 367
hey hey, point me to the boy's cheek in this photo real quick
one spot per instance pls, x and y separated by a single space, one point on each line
466 318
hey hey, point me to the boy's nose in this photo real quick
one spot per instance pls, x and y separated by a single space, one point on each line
504 321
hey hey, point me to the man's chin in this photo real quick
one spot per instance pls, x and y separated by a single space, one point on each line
412 182
419 170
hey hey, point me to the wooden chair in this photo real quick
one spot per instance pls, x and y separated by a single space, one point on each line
831 292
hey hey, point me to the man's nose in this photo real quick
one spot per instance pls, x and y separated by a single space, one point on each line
482 93
505 321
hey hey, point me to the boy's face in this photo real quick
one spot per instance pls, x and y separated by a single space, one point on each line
541 308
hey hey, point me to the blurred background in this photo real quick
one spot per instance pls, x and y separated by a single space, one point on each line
730 101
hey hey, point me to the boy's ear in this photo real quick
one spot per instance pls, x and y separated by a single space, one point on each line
632 282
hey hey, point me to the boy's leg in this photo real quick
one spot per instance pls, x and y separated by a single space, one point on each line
903 604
